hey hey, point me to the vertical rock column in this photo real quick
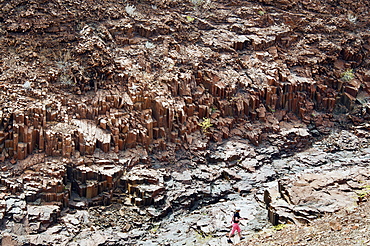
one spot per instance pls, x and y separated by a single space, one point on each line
97 181
3 136
26 135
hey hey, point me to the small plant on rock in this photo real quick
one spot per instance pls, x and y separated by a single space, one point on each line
205 124
190 19
271 109
364 193
348 75
213 109
155 229
202 237
279 227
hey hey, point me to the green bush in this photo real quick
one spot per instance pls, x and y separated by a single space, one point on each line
205 124
348 75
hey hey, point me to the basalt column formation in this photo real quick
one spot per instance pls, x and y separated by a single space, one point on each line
90 93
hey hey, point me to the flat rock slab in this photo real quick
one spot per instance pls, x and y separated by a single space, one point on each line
309 195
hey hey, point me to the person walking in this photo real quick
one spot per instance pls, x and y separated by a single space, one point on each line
235 222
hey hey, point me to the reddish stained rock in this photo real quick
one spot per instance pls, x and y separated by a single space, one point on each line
133 88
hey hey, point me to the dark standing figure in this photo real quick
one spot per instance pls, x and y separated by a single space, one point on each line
236 227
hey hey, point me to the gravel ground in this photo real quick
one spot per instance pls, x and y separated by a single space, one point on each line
350 228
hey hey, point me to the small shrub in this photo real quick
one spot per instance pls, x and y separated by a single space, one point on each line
205 124
155 229
272 110
189 18
348 75
364 192
279 227
202 238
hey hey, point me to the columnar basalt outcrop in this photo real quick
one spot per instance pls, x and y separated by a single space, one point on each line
144 186
105 103
158 89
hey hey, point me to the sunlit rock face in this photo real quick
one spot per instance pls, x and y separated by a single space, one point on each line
144 111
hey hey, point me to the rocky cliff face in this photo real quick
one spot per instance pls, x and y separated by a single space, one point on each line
105 102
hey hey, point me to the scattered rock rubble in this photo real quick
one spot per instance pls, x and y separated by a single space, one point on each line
148 206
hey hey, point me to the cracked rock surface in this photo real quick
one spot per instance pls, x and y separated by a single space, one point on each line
148 123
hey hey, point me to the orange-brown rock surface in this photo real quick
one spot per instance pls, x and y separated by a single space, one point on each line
100 99
111 79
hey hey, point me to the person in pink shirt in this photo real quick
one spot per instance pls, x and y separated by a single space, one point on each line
235 221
